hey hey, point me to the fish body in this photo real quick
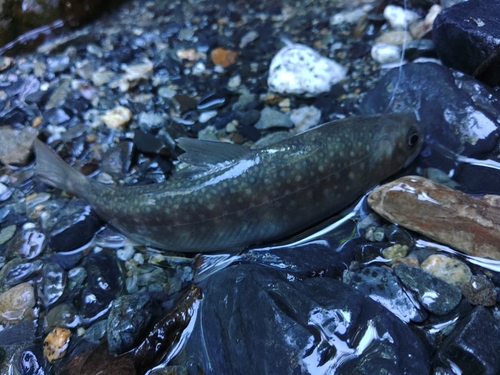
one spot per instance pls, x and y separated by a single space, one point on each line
230 197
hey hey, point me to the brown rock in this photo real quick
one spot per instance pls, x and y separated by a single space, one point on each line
223 57
465 223
16 301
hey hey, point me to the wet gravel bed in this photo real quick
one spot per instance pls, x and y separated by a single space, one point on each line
111 99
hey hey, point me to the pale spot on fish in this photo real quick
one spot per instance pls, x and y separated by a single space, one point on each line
352 175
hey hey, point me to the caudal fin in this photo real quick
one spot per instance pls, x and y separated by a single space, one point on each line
52 170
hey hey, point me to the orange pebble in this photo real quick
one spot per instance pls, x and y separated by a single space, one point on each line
223 57
56 343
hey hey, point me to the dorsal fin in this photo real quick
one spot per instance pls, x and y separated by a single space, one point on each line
209 153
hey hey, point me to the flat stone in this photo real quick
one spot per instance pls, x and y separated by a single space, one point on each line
15 144
467 224
437 296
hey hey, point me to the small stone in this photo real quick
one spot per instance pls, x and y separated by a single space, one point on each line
305 118
398 17
248 38
398 38
15 145
117 117
480 291
16 301
102 77
223 57
125 253
7 233
63 315
234 82
271 118
451 270
56 343
386 53
395 252
27 244
128 318
434 294
206 116
5 62
299 70
134 74
151 121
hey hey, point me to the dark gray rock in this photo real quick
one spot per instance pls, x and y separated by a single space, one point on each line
466 35
76 226
474 346
381 285
255 320
434 294
127 319
456 112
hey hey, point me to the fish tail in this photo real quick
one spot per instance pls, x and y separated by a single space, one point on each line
52 170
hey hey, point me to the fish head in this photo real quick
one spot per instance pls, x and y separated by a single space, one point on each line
398 141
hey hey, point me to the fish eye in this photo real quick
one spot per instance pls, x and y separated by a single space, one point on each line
413 138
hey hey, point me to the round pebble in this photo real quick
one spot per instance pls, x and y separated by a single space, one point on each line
56 343
223 57
386 53
480 291
451 270
16 301
398 17
117 117
299 70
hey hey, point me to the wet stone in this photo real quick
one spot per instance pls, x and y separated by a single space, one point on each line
73 226
453 271
435 295
56 343
296 330
103 284
53 283
27 244
127 320
480 291
467 35
16 301
474 345
62 315
22 272
382 286
7 233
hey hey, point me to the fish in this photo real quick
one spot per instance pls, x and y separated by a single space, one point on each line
230 197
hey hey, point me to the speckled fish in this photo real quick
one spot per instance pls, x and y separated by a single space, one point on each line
230 197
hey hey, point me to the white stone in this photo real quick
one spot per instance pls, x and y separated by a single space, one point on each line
386 53
299 70
205 116
398 17
304 118
350 16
